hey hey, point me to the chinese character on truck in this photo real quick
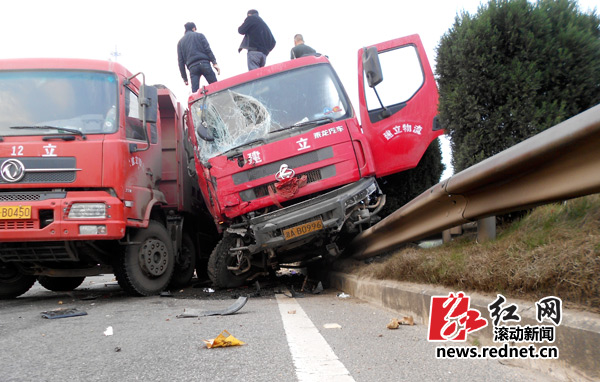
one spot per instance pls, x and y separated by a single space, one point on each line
286 169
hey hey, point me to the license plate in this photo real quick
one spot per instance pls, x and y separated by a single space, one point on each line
16 212
303 229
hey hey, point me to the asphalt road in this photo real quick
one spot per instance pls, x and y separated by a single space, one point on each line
149 342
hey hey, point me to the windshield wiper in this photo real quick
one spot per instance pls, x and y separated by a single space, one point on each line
314 122
46 127
236 149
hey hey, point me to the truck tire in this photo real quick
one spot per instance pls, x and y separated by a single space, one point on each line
220 258
146 268
60 284
12 282
184 270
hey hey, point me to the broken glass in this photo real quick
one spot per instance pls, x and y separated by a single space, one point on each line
254 112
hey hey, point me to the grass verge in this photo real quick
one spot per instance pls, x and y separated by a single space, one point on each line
552 250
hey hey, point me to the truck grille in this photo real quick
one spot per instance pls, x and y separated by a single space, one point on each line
272 168
30 196
45 170
13 225
31 252
263 190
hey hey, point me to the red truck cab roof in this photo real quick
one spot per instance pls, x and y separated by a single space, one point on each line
65 64
260 73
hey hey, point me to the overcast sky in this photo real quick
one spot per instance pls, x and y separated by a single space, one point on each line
145 33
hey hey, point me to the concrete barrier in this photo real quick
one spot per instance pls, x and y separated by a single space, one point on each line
577 338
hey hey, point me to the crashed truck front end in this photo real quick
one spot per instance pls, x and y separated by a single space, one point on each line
277 156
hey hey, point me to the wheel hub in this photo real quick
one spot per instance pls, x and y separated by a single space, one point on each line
154 257
8 272
242 264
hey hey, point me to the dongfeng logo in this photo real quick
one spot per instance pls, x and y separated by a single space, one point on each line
12 170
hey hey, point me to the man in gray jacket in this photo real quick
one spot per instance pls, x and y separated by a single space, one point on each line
300 49
194 52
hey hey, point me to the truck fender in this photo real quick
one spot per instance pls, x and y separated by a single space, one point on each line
158 198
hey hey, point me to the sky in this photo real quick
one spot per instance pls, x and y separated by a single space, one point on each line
145 33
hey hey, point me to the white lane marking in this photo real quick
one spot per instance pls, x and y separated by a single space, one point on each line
313 357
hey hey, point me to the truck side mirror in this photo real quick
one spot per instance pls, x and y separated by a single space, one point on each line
204 133
371 66
149 99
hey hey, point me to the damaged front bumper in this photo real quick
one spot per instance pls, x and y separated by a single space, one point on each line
324 213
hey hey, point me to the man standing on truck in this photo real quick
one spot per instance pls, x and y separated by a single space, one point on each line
258 40
300 49
194 52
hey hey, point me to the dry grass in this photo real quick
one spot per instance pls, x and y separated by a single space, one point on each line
554 250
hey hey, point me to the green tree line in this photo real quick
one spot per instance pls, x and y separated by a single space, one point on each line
513 70
506 73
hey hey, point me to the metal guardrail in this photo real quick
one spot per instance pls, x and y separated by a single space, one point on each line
559 163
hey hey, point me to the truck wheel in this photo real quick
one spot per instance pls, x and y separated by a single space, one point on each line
60 284
184 269
221 258
146 268
12 282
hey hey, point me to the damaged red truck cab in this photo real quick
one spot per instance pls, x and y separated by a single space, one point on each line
285 167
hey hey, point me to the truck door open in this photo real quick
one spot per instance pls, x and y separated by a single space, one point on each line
397 114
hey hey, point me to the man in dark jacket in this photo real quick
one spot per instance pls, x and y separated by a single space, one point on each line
258 40
300 48
194 52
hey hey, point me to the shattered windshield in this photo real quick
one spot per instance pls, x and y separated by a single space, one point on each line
55 102
254 111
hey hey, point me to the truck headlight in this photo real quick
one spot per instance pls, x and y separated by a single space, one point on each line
371 189
92 230
87 211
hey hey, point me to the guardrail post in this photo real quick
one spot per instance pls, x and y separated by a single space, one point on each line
486 229
446 236
458 230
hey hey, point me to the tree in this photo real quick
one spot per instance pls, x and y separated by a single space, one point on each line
515 69
402 187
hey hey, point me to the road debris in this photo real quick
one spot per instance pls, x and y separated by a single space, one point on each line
332 326
395 323
108 331
292 311
318 289
343 295
294 294
222 341
63 313
312 286
208 290
233 308
90 297
117 349
408 320
257 292
166 293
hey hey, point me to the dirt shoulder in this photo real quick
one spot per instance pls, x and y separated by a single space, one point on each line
551 250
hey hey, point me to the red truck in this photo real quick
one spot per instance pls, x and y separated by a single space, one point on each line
285 167
95 177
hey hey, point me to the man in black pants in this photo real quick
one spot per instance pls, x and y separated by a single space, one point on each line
258 40
194 52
